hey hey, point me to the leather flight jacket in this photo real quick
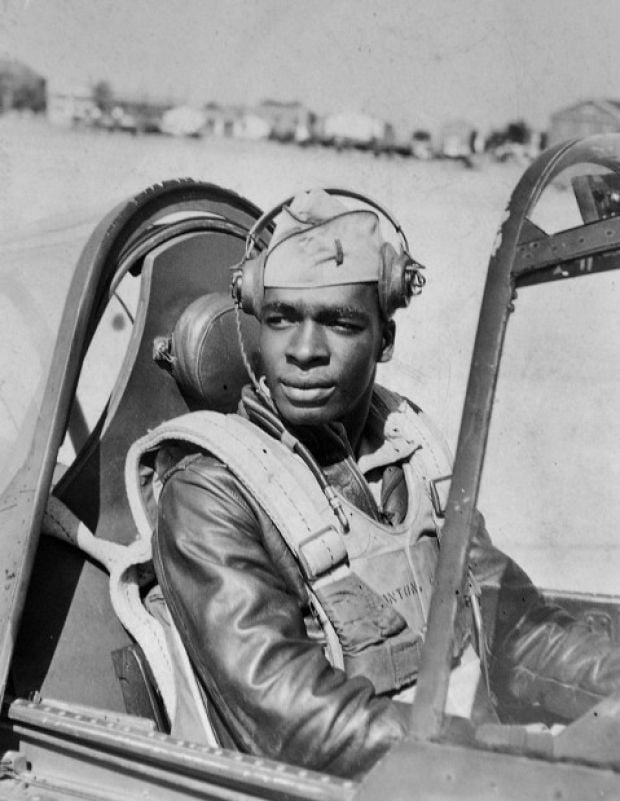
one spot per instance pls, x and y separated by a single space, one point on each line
243 607
369 577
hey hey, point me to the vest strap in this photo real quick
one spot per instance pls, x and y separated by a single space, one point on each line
321 551
390 665
371 637
278 480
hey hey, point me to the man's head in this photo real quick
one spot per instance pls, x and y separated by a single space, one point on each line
322 329
316 233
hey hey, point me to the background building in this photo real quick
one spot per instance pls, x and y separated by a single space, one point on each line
20 87
584 118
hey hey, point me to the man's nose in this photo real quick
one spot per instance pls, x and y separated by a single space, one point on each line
308 345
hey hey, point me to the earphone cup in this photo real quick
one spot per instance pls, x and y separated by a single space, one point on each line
394 285
252 287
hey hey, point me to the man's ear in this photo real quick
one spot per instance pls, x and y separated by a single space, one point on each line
387 341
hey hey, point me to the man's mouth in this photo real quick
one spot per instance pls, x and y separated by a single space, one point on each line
299 393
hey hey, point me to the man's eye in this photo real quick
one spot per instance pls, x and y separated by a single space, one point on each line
347 325
276 320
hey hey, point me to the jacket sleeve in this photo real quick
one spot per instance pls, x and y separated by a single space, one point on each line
240 615
540 654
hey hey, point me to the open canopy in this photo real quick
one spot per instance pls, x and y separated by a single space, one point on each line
57 281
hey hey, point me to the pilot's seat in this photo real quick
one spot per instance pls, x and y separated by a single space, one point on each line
203 355
71 645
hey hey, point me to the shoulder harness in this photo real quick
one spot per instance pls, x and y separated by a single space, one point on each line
369 588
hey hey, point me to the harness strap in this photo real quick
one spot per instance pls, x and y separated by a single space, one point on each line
371 638
433 462
123 563
434 467
297 508
151 627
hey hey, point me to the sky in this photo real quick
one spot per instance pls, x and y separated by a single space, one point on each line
419 63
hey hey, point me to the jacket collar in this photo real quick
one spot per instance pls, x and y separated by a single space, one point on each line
387 438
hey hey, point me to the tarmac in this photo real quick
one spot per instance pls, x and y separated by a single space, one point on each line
551 470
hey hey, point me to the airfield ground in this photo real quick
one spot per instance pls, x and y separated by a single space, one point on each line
548 490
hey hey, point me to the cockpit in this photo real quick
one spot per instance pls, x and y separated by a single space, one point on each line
155 276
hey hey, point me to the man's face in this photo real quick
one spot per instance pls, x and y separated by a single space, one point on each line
319 349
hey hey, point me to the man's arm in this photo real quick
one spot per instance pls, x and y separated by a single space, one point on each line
540 655
230 584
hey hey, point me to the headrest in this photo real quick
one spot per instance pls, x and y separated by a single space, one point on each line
203 352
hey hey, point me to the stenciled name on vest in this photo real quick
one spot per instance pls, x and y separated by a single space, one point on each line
393 597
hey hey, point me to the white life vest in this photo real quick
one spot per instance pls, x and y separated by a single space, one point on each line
370 587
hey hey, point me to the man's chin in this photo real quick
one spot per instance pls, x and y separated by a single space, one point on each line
303 415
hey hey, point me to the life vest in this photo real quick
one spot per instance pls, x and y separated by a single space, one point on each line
370 586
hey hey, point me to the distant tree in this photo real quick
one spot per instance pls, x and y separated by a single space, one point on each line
519 132
30 95
103 95
516 132
20 87
7 90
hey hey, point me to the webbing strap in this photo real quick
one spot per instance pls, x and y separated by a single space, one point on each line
389 665
282 486
122 563
433 461
277 479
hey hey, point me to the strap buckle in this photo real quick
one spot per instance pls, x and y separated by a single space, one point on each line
439 495
321 551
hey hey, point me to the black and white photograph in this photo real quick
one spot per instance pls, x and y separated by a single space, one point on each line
309 392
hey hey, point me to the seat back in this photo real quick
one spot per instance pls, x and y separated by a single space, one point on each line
69 629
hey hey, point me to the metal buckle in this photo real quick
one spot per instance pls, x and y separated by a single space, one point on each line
440 503
322 551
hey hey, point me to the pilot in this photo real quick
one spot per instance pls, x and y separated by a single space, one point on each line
296 546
